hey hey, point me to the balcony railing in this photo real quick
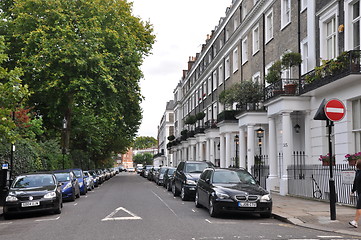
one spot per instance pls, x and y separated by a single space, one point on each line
227 115
345 64
212 123
290 87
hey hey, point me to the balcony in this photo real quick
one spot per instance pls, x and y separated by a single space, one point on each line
227 115
345 64
212 123
287 87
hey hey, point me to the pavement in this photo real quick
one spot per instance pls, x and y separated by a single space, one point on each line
312 214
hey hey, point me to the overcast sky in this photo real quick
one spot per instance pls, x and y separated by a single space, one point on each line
181 27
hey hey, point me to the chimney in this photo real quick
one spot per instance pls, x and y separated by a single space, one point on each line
190 62
185 73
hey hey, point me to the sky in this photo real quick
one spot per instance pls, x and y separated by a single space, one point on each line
181 27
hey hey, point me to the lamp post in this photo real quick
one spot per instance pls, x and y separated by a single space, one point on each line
65 123
12 150
259 132
236 141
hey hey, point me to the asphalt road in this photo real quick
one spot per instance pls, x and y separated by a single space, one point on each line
131 207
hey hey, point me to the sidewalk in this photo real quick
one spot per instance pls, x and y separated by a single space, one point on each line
314 214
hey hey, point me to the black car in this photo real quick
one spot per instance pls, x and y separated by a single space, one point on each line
159 176
232 190
33 193
146 170
168 178
186 177
152 173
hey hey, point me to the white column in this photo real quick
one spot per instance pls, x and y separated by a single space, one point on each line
272 180
201 151
208 153
307 132
250 147
287 150
222 151
242 149
197 152
212 153
191 153
228 149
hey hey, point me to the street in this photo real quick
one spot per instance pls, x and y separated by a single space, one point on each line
131 207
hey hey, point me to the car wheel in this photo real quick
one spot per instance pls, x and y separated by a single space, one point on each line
213 211
266 215
58 210
174 190
183 194
196 201
78 195
73 196
169 186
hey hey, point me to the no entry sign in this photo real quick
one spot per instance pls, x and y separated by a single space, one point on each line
335 110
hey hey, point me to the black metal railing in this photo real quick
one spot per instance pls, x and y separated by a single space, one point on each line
199 129
315 182
345 64
212 123
290 87
227 115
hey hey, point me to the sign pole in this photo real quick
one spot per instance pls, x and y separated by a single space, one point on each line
331 180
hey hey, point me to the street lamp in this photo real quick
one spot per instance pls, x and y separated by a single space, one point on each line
260 134
236 141
65 123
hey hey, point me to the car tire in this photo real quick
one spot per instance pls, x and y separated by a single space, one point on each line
58 210
196 200
266 215
183 194
73 196
213 211
174 190
78 195
169 186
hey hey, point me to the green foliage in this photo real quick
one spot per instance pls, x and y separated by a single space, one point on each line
190 120
291 59
81 59
274 73
200 115
171 137
242 93
144 142
145 158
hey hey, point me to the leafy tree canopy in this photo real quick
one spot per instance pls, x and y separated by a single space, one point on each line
143 158
145 142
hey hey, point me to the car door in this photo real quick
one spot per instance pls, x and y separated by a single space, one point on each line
208 187
178 176
201 185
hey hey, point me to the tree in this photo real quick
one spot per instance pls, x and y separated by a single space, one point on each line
145 142
82 61
144 158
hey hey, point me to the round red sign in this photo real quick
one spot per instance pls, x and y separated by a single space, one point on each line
335 110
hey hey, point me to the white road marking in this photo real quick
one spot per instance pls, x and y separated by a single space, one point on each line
111 218
165 204
48 219
75 204
208 221
330 236
193 210
7 223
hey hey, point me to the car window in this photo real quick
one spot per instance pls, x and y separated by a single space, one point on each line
196 167
245 177
62 177
204 175
77 173
33 181
180 166
171 171
225 177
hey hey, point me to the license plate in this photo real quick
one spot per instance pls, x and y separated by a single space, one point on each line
247 204
30 204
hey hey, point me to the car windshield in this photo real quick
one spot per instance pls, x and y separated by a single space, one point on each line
162 170
233 177
77 173
62 177
196 167
31 181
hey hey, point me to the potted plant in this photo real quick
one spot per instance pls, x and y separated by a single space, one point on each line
352 158
274 72
325 159
288 61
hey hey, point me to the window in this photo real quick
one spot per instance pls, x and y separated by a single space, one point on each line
214 81
171 130
235 23
255 38
256 78
285 13
227 33
209 85
356 124
243 11
331 38
227 68
204 95
269 26
244 51
267 70
304 53
235 60
220 74
356 25
171 117
328 33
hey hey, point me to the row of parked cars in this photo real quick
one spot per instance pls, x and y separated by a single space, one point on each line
46 191
220 190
